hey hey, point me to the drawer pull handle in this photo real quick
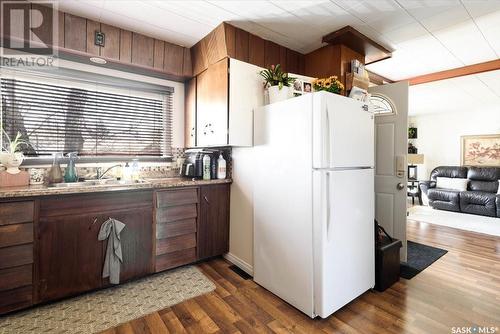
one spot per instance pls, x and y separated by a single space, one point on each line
206 199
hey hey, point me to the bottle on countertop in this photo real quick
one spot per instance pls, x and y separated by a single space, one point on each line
221 167
135 170
70 174
55 173
127 172
206 167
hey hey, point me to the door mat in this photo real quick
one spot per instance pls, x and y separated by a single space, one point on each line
419 257
103 309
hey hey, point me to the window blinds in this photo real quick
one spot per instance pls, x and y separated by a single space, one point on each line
57 118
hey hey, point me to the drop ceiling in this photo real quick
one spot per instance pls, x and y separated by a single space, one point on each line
471 93
427 35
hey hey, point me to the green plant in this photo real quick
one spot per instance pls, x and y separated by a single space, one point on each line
13 146
274 76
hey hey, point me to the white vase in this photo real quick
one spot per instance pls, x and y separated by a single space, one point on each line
11 161
276 94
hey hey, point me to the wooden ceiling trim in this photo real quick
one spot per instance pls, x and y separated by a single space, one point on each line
456 72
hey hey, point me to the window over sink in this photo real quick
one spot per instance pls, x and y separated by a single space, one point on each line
90 118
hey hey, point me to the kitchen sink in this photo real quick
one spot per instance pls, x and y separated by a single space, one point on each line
90 183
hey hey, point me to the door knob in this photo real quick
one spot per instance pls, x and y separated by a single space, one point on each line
400 186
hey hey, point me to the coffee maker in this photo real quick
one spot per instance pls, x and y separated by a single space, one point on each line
192 166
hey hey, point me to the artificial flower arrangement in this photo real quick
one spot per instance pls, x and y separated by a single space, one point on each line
331 84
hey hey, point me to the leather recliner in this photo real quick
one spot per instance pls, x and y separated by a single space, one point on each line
480 197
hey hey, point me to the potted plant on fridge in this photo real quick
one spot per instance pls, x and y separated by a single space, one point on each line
331 84
11 157
277 83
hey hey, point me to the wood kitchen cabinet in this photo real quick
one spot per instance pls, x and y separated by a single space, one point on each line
70 255
213 222
71 258
212 97
190 113
226 94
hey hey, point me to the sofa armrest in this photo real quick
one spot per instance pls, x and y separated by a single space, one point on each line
424 186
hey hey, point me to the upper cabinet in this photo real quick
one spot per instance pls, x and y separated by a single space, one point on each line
212 105
226 94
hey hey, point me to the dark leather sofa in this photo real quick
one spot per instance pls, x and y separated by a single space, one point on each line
480 198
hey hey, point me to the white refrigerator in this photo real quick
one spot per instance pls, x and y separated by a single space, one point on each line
314 201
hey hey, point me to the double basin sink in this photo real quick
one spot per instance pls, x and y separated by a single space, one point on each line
91 183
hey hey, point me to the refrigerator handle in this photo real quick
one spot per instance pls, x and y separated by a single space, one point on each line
326 136
328 205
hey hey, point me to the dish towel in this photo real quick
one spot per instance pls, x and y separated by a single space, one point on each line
111 230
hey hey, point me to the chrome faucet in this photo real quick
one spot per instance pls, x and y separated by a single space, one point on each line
101 174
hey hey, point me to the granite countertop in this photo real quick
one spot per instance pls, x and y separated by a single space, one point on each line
42 190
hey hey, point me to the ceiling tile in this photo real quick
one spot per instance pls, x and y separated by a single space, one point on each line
466 42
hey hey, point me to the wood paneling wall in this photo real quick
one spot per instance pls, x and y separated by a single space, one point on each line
76 36
229 41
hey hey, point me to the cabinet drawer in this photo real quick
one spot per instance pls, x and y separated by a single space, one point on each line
175 213
175 259
16 299
16 212
174 244
16 256
168 230
176 197
16 234
16 277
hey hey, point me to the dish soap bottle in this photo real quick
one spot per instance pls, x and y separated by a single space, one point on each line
55 173
206 167
70 174
221 167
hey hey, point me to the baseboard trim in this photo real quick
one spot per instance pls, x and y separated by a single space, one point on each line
239 263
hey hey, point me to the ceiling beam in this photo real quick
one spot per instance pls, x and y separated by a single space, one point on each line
456 72
378 79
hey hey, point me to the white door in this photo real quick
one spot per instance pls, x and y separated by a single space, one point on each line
391 146
343 132
343 231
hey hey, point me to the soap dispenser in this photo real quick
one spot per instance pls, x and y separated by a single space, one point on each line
70 174
55 173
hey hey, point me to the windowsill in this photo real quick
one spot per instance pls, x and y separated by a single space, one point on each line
47 161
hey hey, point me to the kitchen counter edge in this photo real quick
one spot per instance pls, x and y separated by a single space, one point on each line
41 190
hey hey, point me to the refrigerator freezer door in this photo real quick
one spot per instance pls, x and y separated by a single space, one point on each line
343 131
344 250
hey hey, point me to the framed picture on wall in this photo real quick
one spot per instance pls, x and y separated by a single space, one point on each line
480 150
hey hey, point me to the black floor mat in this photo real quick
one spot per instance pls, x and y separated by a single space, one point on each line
240 272
419 257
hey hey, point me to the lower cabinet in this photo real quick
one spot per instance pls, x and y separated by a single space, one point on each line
71 258
49 248
213 222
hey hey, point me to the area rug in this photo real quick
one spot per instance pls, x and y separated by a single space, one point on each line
100 310
419 257
463 221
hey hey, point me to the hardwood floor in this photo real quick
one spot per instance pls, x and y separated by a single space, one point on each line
460 289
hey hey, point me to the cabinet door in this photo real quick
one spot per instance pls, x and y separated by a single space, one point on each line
70 256
190 113
213 222
212 98
136 240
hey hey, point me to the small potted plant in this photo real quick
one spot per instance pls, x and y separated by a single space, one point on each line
330 84
277 83
11 157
